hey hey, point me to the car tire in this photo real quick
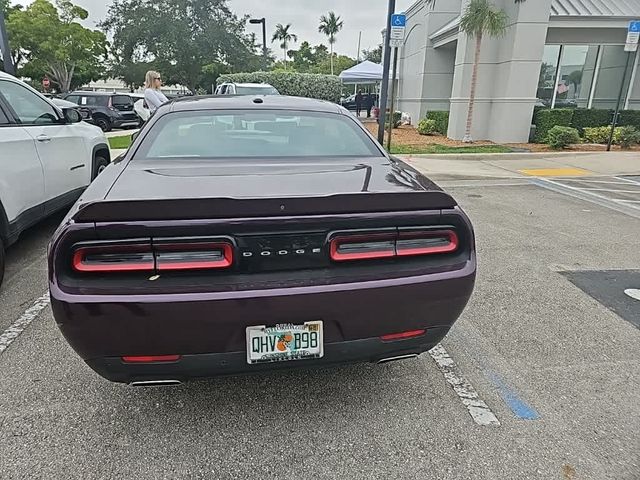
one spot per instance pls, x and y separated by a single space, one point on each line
104 124
99 164
1 261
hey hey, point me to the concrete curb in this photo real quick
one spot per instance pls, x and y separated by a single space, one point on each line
510 156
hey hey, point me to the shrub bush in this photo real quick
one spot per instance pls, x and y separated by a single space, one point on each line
629 118
397 119
560 137
310 85
441 117
427 126
628 136
546 119
601 134
584 118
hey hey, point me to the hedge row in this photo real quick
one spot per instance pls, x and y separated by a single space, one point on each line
579 118
441 117
310 85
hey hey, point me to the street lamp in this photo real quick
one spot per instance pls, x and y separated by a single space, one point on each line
263 21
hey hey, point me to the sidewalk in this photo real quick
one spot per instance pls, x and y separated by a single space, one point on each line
515 165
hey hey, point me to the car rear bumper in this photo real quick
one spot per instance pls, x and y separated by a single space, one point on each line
189 367
209 329
129 122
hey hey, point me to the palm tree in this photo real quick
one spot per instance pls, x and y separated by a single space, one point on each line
283 34
330 25
480 18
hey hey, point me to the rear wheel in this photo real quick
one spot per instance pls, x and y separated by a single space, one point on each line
104 124
1 261
99 165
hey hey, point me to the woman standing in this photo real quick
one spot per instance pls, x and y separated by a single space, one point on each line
153 96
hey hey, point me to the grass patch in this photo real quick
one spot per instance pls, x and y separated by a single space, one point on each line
120 143
428 149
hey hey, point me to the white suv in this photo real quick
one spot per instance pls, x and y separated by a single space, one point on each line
47 158
246 89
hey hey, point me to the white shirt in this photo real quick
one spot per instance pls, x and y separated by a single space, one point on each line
154 98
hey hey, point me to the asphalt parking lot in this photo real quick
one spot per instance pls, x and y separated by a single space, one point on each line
540 377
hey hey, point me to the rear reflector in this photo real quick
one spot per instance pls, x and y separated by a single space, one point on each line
403 335
151 358
195 256
114 258
362 247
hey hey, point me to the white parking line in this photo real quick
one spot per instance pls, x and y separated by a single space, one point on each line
30 314
478 409
609 190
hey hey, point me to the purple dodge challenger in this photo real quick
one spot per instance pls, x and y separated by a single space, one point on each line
241 234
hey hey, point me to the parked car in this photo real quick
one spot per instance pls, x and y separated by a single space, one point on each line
48 156
246 89
108 110
240 234
350 102
85 113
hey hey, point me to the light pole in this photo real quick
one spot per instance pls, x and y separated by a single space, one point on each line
263 21
4 47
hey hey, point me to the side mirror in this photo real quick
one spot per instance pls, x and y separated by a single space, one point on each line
71 115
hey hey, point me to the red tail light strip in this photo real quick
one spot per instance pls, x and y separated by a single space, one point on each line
194 256
346 247
120 258
402 335
151 358
363 247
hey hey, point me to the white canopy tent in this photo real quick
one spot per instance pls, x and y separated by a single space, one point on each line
365 72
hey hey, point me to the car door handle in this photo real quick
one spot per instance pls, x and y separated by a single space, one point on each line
43 138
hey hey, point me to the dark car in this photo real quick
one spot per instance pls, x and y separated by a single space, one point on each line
108 110
239 234
350 102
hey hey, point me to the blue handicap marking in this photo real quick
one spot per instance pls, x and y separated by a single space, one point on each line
399 20
634 26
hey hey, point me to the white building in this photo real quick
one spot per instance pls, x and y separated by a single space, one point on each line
575 45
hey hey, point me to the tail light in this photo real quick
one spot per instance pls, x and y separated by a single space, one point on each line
114 258
402 335
362 247
404 243
193 256
426 242
145 257
151 358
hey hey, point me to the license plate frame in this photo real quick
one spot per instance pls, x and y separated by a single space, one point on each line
288 336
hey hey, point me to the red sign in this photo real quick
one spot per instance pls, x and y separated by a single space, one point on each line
46 83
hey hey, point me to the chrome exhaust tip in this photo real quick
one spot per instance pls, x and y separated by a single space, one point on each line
156 383
399 357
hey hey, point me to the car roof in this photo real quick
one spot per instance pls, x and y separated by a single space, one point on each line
258 85
97 94
243 102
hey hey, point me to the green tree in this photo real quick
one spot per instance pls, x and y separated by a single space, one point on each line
189 41
283 34
330 25
480 18
48 40
304 58
339 63
374 55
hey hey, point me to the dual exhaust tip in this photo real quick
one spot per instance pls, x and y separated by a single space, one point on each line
173 383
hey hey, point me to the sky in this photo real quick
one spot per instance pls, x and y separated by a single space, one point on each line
367 16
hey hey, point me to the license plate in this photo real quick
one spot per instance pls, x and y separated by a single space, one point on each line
284 342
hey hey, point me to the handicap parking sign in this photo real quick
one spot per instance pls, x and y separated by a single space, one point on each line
399 20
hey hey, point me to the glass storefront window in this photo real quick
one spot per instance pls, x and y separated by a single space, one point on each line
548 72
612 67
577 68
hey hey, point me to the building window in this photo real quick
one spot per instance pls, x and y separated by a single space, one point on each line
612 66
577 69
548 73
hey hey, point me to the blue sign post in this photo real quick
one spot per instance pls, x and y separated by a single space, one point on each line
400 20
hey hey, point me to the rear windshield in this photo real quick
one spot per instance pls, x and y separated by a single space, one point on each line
247 134
121 100
256 91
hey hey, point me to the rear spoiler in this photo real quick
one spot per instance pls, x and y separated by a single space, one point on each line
210 208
